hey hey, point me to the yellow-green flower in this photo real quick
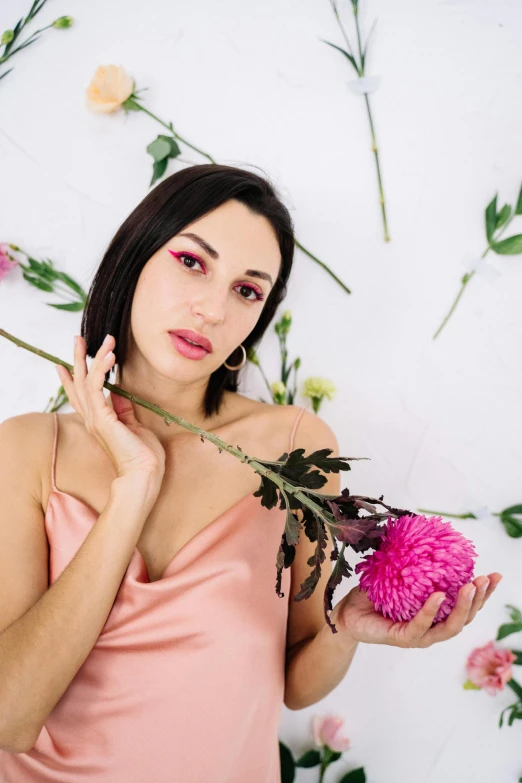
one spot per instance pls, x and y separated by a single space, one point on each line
317 388
283 326
278 390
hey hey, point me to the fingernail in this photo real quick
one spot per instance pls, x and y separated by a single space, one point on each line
440 599
75 339
107 338
471 594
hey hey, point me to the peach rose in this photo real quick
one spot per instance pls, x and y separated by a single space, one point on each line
326 731
489 667
109 88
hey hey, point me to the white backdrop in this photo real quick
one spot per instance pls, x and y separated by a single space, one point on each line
440 420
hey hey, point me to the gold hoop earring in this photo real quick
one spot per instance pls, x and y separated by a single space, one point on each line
239 366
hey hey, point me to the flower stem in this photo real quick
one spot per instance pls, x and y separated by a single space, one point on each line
267 382
134 104
465 280
359 68
372 129
8 51
467 277
379 178
317 261
455 516
260 468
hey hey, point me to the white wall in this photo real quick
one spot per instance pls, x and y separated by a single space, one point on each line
441 420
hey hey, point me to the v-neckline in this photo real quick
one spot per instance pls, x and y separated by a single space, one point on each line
55 490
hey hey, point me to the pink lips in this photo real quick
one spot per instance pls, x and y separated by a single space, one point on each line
187 349
189 334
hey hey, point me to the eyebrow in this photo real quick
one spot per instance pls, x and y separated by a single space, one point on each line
214 254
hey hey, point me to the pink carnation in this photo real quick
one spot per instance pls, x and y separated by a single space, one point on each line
416 557
327 732
490 667
6 265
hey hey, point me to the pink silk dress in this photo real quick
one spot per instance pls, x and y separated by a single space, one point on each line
185 683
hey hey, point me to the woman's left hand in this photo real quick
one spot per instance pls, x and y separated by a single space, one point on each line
355 617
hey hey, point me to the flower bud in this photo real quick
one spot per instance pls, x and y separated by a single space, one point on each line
63 22
252 356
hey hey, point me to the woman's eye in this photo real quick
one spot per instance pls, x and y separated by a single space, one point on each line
190 258
250 291
184 257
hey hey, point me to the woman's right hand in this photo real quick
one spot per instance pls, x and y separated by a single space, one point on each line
131 447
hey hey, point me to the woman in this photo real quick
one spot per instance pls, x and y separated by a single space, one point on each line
160 653
143 639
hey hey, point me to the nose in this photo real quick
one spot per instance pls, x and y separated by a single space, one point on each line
211 310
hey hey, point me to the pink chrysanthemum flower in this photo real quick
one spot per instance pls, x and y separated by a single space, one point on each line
327 731
6 265
489 667
417 557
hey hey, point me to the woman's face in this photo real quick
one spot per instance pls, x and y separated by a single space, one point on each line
219 295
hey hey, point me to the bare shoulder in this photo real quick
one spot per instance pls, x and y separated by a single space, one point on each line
24 438
266 418
271 420
311 432
28 437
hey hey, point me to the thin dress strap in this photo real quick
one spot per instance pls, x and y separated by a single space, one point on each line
294 428
53 467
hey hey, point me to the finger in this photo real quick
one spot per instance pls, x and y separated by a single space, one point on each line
481 583
494 579
81 382
455 621
123 408
100 365
80 374
419 625
68 385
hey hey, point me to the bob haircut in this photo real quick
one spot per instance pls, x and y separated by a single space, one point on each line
175 202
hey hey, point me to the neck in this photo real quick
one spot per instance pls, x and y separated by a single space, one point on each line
185 400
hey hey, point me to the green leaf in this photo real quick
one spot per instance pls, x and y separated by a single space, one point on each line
491 218
513 684
158 169
507 629
363 56
72 307
346 54
512 246
512 525
38 283
159 149
518 208
71 283
503 215
173 144
312 758
354 776
286 761
515 615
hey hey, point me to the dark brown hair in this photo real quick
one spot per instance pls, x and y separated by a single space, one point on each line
175 202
